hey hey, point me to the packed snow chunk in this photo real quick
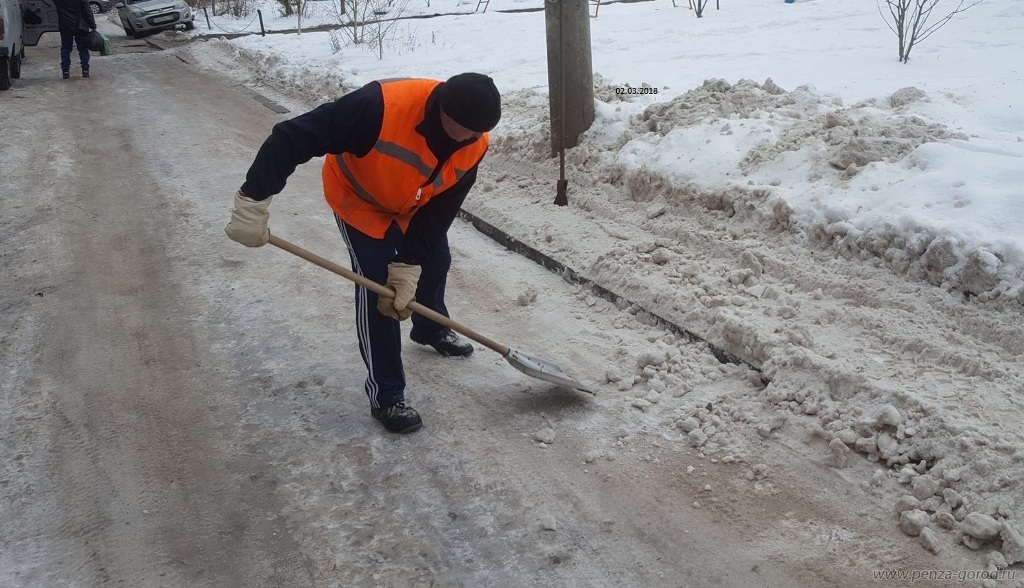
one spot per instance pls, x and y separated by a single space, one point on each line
833 119
688 424
866 445
655 356
757 291
760 471
697 438
1013 544
924 487
840 452
527 297
971 542
906 475
888 416
856 152
661 256
548 523
942 253
980 526
981 271
655 210
640 404
545 435
887 446
912 521
929 540
771 424
905 96
945 520
750 261
907 502
952 498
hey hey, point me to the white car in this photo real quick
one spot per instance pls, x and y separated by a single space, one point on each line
147 16
12 42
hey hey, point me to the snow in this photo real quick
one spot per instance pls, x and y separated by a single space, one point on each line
885 192
936 145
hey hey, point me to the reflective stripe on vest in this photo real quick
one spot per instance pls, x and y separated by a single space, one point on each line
401 154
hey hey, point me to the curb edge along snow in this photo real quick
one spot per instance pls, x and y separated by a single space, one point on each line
573 277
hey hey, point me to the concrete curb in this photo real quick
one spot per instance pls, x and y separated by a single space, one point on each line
573 277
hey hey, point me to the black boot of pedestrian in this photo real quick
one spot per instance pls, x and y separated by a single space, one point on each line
446 342
65 74
85 73
398 418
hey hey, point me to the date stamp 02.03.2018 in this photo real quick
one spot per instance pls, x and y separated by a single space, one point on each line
644 89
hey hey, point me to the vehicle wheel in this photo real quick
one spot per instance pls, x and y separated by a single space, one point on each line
190 25
96 8
5 73
15 66
128 31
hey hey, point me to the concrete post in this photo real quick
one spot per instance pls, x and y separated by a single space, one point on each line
570 71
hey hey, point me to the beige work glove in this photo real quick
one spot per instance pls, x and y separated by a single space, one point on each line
249 220
403 278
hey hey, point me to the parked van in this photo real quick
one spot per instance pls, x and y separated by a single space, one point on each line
39 16
22 22
12 42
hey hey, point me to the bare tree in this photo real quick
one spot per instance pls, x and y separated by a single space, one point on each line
353 15
909 20
699 6
370 21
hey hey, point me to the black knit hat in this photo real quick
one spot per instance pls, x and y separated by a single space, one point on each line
472 100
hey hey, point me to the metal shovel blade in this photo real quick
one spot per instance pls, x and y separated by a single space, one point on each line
544 370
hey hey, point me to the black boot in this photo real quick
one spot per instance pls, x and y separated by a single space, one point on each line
85 73
446 342
65 74
398 418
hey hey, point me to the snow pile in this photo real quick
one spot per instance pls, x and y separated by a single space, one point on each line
960 480
260 68
770 312
755 135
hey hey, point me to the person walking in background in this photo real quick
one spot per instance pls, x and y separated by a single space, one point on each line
74 21
401 157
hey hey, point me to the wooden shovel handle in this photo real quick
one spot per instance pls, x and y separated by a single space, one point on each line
383 290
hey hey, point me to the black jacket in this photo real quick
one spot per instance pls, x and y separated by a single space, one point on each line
352 125
74 15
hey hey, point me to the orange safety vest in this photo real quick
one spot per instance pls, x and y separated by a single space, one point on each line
390 183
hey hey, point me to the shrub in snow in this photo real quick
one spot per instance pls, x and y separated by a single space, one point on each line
909 20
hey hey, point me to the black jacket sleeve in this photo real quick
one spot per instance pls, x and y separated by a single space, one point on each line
430 224
87 16
351 124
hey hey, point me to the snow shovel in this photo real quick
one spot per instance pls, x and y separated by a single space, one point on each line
531 366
